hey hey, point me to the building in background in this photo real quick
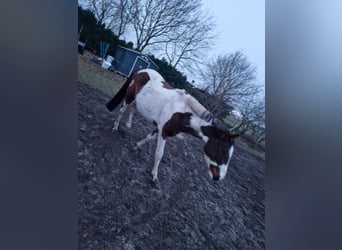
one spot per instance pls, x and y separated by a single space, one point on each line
128 60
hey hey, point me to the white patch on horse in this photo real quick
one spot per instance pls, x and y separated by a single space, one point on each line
224 168
149 137
196 123
118 119
231 151
130 118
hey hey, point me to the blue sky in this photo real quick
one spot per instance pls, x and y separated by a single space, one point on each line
240 26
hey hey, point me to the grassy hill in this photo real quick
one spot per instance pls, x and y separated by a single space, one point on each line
94 75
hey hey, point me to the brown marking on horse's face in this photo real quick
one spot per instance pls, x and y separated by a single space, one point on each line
138 81
217 149
179 122
215 172
166 85
218 144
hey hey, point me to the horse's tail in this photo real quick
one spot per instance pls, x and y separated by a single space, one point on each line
117 99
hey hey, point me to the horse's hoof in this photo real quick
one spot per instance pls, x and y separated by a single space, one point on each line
154 184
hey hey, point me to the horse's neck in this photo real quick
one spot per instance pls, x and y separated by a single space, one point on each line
201 116
196 107
196 123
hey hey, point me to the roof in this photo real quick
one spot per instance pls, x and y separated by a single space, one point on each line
132 50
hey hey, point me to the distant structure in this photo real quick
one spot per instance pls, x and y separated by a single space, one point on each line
128 60
81 46
236 114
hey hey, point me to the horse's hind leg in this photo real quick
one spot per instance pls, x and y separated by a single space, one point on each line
130 117
149 137
121 112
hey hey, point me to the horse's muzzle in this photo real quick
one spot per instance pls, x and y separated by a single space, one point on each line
216 172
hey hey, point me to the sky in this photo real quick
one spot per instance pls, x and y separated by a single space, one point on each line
240 26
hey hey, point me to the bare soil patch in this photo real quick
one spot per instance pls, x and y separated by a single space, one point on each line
120 207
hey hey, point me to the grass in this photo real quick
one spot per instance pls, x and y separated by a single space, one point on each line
94 75
230 121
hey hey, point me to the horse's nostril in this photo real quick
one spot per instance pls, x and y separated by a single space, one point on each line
216 178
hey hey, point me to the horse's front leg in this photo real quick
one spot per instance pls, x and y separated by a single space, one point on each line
149 137
158 155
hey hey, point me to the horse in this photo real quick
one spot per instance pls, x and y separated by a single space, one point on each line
173 111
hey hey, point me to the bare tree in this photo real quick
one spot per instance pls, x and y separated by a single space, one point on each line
120 18
111 13
228 79
158 21
253 116
179 30
102 9
191 42
252 123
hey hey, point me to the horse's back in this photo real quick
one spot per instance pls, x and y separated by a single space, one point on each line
155 77
154 100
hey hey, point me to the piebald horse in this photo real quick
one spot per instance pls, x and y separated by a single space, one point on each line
174 111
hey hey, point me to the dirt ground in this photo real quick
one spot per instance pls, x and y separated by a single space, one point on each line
120 207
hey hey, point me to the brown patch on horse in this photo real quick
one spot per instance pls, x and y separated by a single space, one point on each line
218 144
215 171
140 79
120 95
179 122
166 85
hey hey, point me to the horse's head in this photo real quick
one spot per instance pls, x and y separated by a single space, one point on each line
218 150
